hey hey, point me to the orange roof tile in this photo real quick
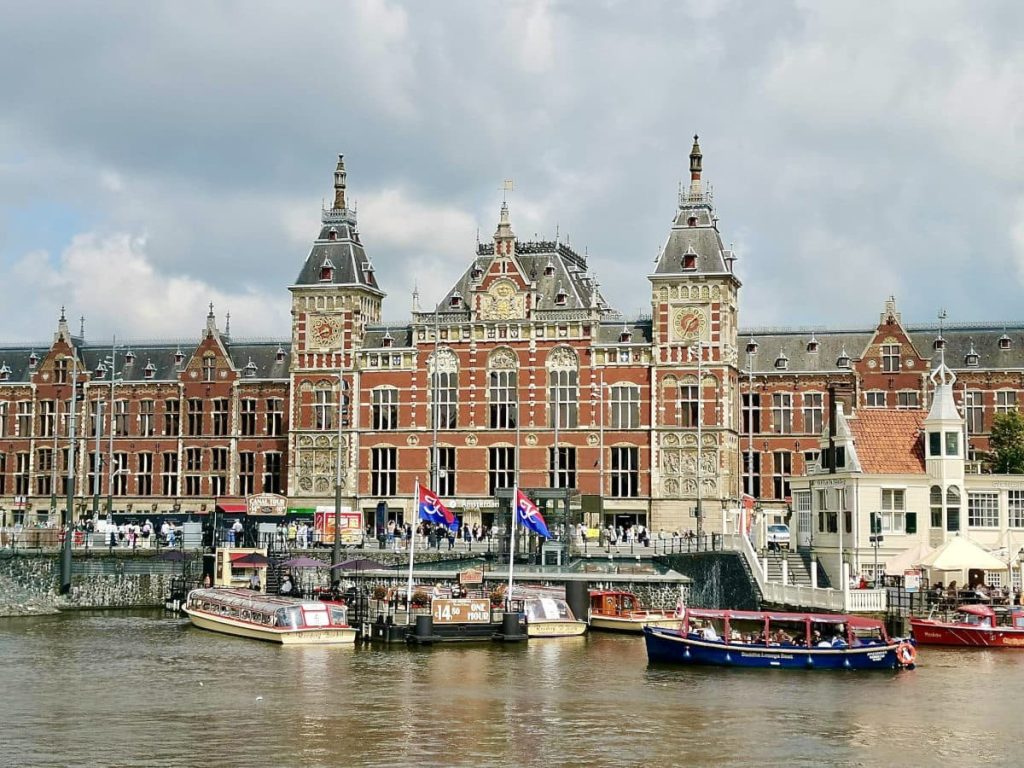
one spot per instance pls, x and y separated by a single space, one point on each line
889 442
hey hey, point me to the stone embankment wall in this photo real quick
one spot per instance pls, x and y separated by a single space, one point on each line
30 583
719 580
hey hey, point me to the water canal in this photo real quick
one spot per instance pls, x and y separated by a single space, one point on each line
141 689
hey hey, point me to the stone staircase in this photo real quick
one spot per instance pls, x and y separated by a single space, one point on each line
798 564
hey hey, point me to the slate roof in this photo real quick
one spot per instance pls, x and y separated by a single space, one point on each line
401 336
888 442
959 339
702 240
345 253
161 354
609 332
568 270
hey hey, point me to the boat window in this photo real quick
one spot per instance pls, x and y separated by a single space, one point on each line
315 617
546 608
868 636
628 604
338 616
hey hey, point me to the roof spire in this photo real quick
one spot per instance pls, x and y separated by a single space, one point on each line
81 327
227 324
695 166
340 184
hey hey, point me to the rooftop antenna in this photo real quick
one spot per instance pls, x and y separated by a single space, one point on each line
81 327
942 349
227 324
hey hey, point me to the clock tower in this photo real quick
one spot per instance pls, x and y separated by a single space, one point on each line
694 371
334 298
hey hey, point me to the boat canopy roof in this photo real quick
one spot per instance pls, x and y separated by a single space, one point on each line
859 622
253 601
977 610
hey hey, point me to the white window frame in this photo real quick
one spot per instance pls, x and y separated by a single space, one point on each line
1006 400
974 411
502 398
1015 509
384 409
624 401
894 510
890 358
908 394
782 413
982 515
874 395
813 412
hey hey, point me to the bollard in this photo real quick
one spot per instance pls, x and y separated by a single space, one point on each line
511 631
814 574
424 628
785 572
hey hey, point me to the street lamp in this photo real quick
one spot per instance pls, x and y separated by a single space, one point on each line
751 351
111 363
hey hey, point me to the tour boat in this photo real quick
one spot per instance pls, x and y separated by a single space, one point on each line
619 611
551 617
774 640
974 626
284 620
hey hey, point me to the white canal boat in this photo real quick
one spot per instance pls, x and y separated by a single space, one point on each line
285 620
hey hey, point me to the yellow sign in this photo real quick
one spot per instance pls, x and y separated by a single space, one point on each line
447 611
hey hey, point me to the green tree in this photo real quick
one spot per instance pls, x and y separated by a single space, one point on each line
1006 444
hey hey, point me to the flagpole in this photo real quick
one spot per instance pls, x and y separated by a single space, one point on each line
412 547
514 509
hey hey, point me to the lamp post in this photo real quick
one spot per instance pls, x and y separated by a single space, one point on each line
112 361
751 351
69 514
336 550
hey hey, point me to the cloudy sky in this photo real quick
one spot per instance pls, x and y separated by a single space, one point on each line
158 156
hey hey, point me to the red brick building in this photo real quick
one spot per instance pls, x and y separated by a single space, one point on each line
520 371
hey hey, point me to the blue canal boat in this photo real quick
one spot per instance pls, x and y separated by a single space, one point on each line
775 640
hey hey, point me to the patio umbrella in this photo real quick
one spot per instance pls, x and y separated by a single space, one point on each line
361 564
304 562
252 559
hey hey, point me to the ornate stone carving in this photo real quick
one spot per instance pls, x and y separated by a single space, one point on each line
671 486
502 358
447 361
471 440
562 358
592 439
503 302
670 439
412 440
531 439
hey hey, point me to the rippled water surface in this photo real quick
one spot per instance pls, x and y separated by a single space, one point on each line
143 689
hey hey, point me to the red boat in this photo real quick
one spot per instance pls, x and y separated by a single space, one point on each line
974 626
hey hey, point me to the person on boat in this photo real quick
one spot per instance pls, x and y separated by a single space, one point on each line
206 581
818 641
286 585
838 641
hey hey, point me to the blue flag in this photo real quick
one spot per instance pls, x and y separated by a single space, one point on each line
529 515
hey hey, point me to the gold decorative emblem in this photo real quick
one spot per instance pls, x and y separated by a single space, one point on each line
502 302
689 323
323 331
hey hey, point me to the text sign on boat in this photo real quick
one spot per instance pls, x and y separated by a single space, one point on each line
461 611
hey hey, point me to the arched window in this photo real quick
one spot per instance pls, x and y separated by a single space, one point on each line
444 389
563 388
325 405
935 502
953 508
502 389
625 406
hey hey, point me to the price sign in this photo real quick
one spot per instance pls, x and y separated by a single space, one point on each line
461 611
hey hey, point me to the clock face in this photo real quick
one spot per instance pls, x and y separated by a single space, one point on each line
323 331
689 323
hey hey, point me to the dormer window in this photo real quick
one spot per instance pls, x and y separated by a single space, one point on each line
752 346
1004 342
561 297
179 357
388 340
971 359
476 273
101 371
625 336
690 258
326 271
455 302
33 360
549 269
843 361
781 362
332 234
939 343
279 355
129 357
250 370
812 344
149 371
5 372
692 221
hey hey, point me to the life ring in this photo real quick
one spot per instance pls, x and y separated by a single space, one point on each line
906 653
